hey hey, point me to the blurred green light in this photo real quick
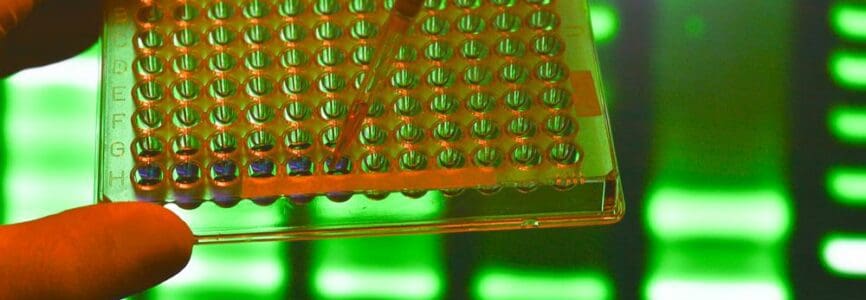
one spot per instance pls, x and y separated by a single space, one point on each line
847 185
722 289
50 137
718 211
849 20
244 214
229 271
849 69
714 269
845 254
394 207
696 26
80 71
337 283
521 284
605 22
679 213
400 267
848 124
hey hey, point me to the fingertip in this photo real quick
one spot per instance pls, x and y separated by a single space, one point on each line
146 244
104 251
168 225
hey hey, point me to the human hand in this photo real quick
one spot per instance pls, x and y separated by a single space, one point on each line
104 251
39 32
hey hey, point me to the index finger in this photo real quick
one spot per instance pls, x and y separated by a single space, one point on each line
104 251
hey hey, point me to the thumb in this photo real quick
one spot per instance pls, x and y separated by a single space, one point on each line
104 251
39 32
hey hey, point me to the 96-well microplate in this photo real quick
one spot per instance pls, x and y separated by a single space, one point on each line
224 110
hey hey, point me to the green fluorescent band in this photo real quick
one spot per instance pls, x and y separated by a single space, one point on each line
847 185
405 267
605 22
755 215
714 269
848 69
717 210
723 288
843 254
334 282
848 124
241 271
849 20
519 284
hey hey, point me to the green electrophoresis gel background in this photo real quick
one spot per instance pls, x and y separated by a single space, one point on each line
712 214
